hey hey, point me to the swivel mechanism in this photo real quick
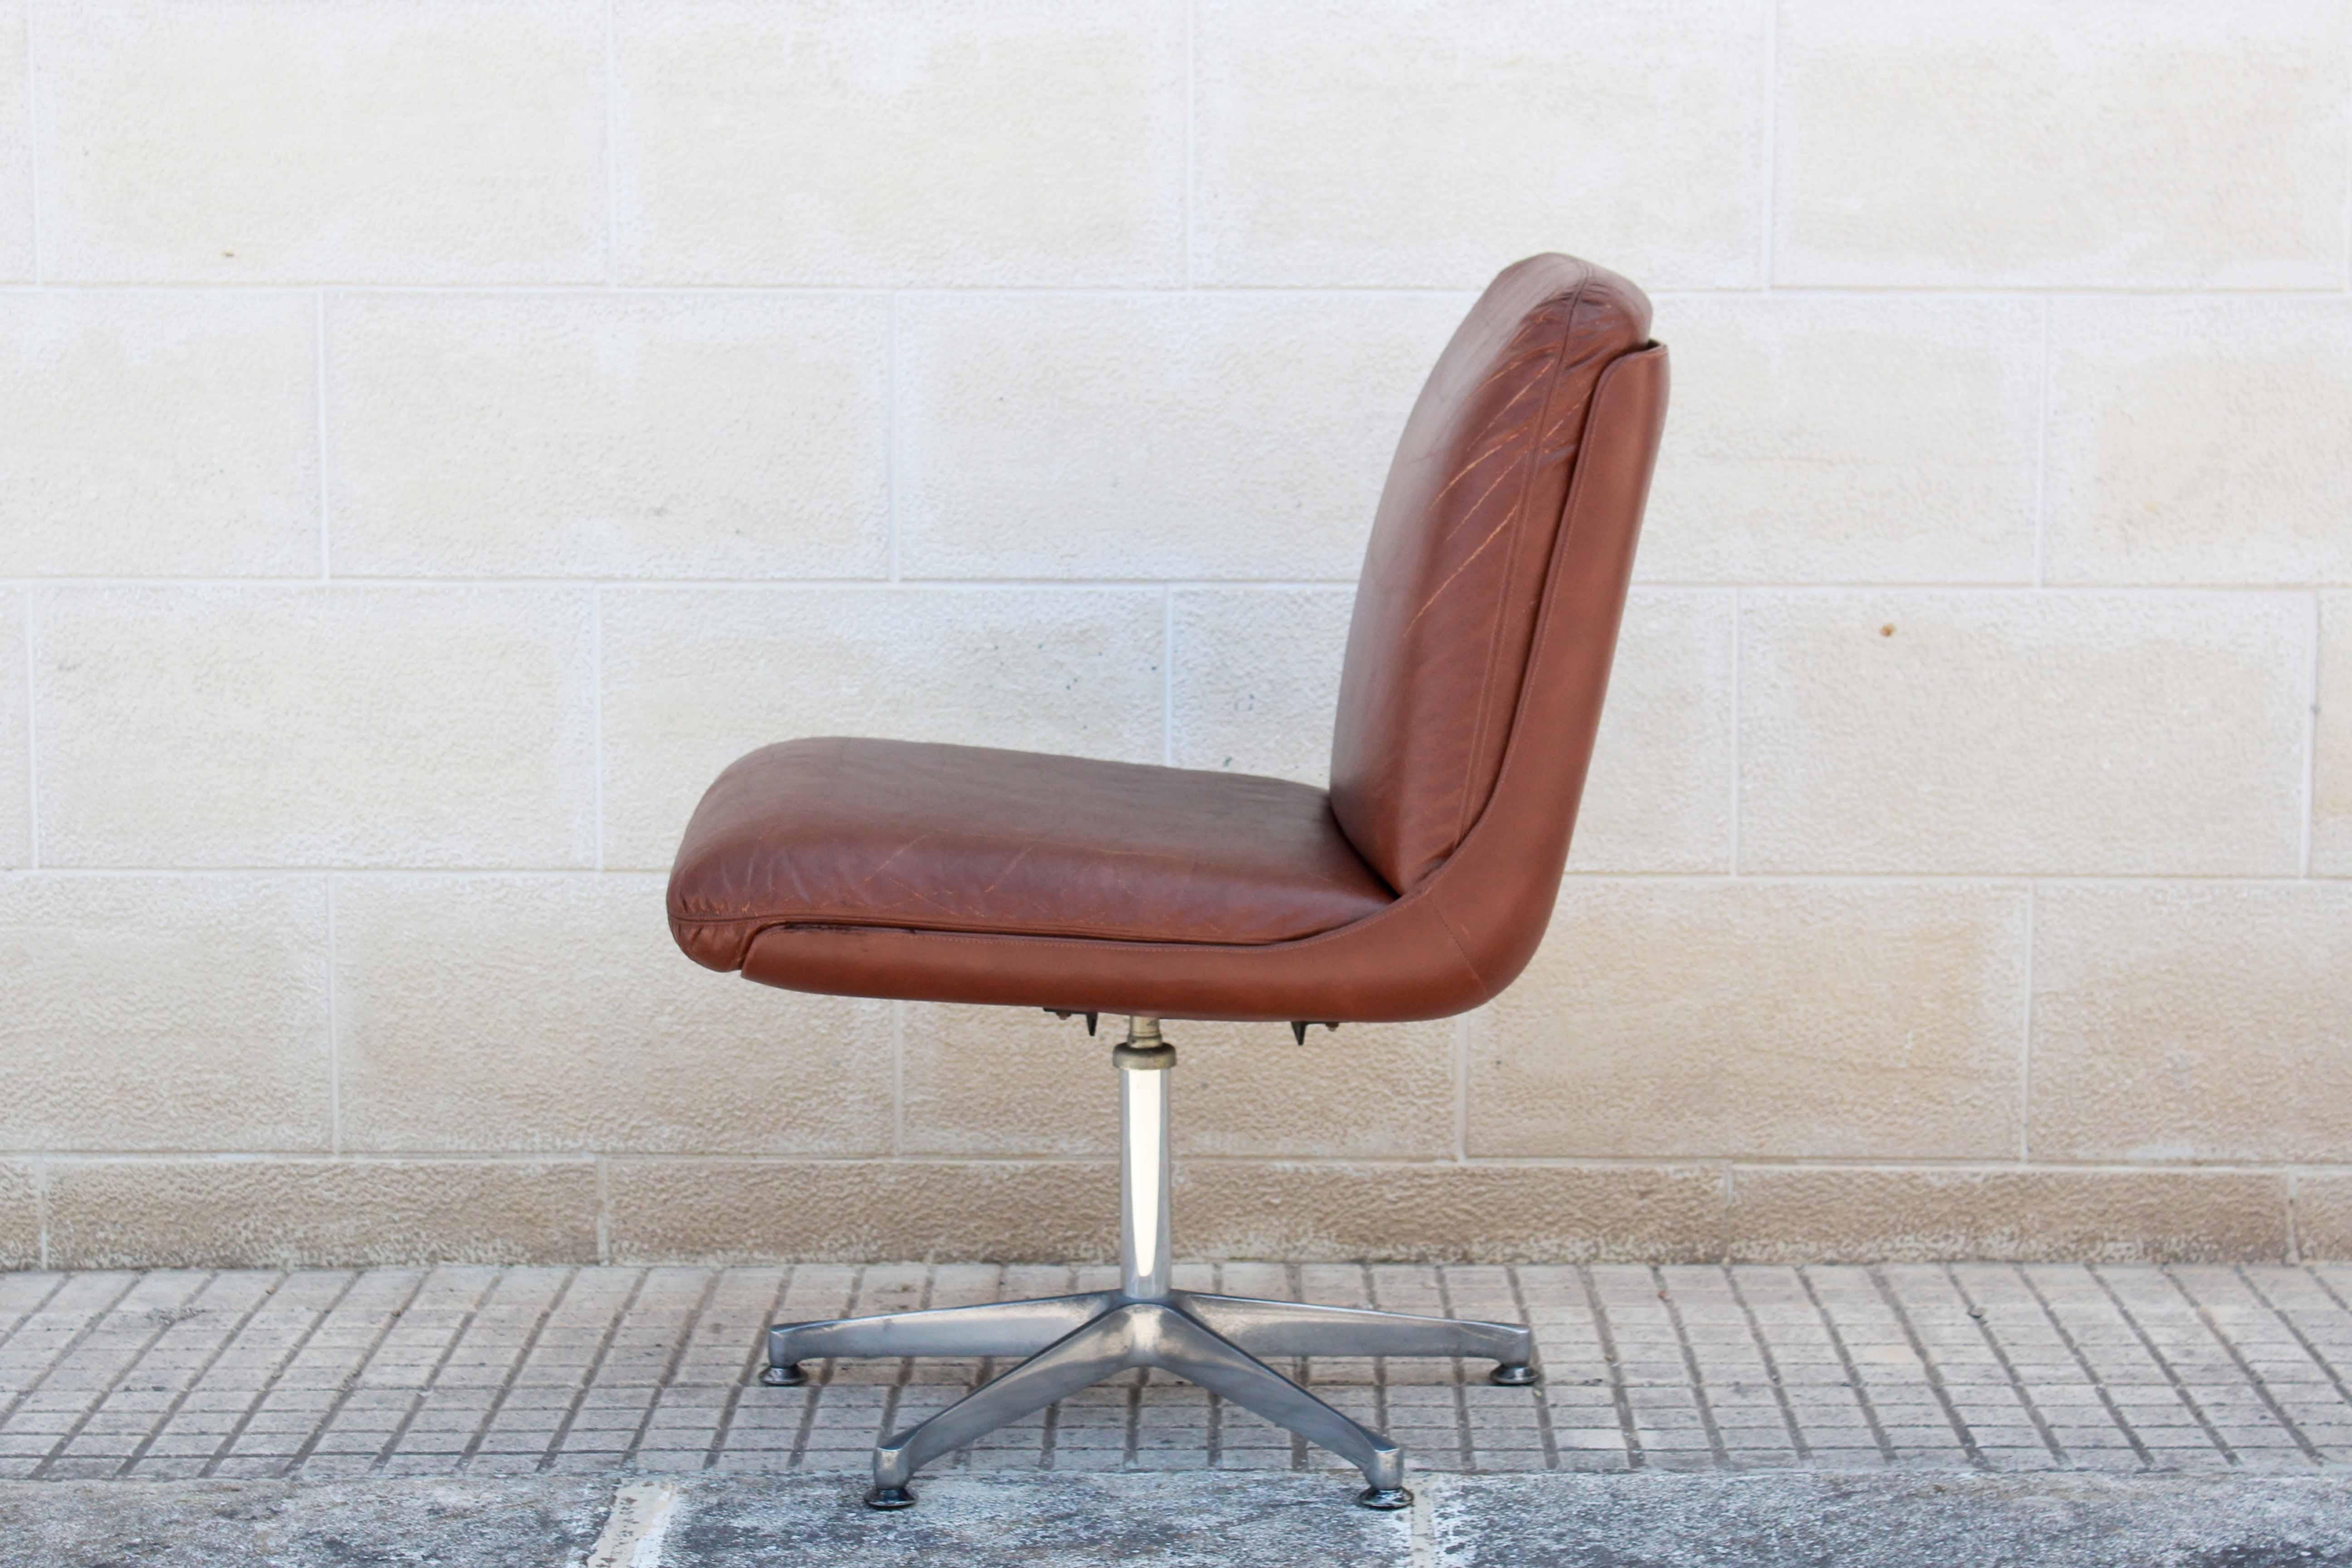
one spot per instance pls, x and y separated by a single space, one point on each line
1073 1341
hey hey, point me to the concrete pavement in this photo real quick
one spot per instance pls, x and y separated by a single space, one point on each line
1800 1519
1918 1414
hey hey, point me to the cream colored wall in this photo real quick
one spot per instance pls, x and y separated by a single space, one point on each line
435 438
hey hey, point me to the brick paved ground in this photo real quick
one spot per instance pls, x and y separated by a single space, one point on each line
419 1372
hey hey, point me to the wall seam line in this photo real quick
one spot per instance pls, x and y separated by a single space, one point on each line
898 1080
612 151
334 1034
596 715
2309 826
2294 1200
1737 616
892 437
1983 879
850 583
31 645
1460 1041
318 399
1191 139
2041 397
1725 1166
1771 138
33 135
361 284
603 1212
2025 1040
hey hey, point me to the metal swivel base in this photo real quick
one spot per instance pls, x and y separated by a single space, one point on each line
1217 1342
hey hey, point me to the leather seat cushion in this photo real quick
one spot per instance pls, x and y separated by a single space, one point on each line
963 838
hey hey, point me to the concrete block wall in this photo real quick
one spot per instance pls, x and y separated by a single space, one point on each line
435 436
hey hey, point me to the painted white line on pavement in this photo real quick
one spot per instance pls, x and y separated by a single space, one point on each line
634 1530
1424 1528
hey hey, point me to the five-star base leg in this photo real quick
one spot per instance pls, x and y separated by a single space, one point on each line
1214 1340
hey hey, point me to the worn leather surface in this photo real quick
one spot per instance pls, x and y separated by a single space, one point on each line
966 839
1465 746
1451 580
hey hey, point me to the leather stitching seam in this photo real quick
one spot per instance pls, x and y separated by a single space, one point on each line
1561 552
1470 809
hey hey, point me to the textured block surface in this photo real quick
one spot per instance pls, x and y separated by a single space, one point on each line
1668 1018
16 147
436 439
1254 678
166 1013
547 1014
649 436
1038 142
1658 797
1181 436
374 141
2075 735
1781 1213
2105 145
1847 439
1405 146
159 434
984 1082
434 726
293 1212
2199 441
2183 1021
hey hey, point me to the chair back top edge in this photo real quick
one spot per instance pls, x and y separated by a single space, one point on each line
1461 549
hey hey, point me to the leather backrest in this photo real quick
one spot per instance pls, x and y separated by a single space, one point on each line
1459 555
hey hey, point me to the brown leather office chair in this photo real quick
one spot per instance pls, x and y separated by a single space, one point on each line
1416 887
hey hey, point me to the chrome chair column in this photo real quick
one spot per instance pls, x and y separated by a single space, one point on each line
1072 1342
1144 1061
